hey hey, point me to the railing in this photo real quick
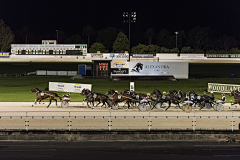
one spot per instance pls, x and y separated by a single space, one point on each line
118 120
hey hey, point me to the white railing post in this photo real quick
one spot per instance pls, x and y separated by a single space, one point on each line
194 120
149 121
109 122
232 122
26 122
69 122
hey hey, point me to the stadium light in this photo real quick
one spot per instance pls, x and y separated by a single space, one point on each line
176 38
57 36
129 17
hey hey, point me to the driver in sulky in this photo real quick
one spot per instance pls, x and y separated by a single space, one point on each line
223 98
67 97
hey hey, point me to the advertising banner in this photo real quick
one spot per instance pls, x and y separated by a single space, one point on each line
192 56
119 71
4 54
132 86
222 88
150 55
68 87
176 69
223 55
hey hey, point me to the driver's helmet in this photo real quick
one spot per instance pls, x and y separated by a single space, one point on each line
116 91
211 92
168 93
223 94
164 92
148 94
68 93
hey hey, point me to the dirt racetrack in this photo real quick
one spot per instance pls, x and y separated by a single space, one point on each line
22 116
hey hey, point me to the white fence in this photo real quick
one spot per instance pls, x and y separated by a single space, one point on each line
55 73
118 120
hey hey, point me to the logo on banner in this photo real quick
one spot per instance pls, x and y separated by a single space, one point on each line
119 71
137 68
123 55
77 88
60 87
119 65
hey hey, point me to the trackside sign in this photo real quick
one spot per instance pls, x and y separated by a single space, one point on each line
222 88
68 87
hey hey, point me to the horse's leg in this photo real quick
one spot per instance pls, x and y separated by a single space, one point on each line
169 105
56 101
49 103
128 105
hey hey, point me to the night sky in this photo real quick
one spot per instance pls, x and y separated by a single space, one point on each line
45 16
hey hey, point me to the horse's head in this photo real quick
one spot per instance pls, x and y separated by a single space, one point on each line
233 93
83 91
34 90
126 91
110 92
156 92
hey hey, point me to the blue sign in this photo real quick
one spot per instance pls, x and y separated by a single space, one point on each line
4 54
112 55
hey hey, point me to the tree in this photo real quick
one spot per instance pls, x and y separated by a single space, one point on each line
149 34
199 38
107 37
225 43
88 31
162 37
6 37
75 39
97 47
121 43
141 48
24 35
154 49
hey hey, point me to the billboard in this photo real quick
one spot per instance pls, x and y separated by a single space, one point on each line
176 69
68 87
4 54
222 88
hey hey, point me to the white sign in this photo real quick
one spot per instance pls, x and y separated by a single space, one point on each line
192 56
41 72
68 87
132 86
176 69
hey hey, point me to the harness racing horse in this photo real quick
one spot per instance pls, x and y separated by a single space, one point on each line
91 97
236 96
135 96
202 101
43 95
164 98
119 98
182 96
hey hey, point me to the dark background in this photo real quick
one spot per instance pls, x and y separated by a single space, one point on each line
46 16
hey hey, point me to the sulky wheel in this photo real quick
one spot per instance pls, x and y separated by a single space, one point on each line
159 106
142 107
220 107
208 105
187 108
64 104
115 106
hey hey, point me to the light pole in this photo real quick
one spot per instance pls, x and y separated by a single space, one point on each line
129 17
176 38
57 36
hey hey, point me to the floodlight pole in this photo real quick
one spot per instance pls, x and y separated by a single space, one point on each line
176 38
57 36
129 37
131 18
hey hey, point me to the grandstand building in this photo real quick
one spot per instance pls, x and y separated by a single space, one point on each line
49 47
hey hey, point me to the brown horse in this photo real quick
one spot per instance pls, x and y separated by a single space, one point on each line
91 97
236 96
44 95
119 98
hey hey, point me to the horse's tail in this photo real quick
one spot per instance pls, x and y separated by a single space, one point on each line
56 95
